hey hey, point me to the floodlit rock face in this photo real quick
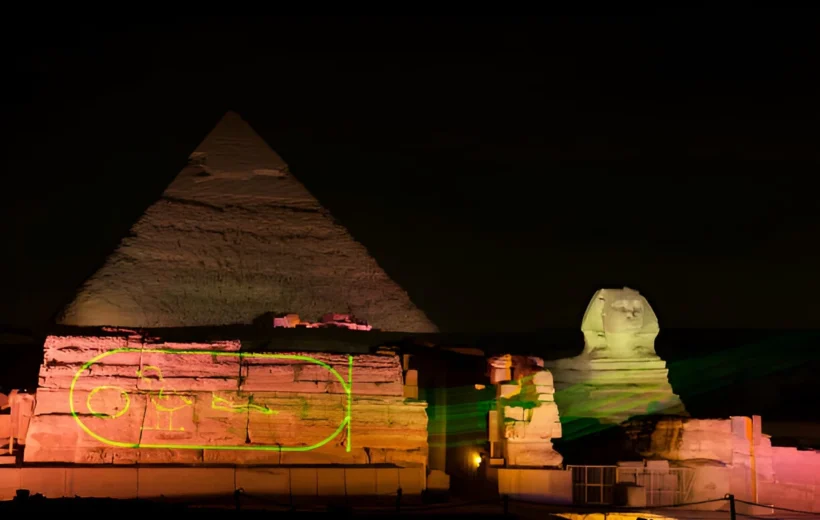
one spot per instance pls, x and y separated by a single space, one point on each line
234 236
731 456
208 403
618 375
529 414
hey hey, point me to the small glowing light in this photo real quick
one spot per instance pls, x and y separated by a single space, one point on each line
480 387
477 460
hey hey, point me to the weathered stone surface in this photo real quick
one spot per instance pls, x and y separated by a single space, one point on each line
404 458
530 417
241 457
234 236
678 439
179 400
532 454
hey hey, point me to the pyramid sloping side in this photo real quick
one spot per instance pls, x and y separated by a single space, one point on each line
235 236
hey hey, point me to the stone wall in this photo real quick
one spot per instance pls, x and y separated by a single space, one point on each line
526 416
120 400
734 456
281 485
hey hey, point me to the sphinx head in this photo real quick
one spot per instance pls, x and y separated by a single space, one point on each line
619 323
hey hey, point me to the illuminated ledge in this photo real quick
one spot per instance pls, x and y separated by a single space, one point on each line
165 482
209 465
585 363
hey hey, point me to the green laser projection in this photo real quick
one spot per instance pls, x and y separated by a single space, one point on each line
166 401
227 405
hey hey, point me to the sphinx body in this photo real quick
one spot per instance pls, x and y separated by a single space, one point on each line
618 375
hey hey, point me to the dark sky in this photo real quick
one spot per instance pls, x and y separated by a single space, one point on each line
499 169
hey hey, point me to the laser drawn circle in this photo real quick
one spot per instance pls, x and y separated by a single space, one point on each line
123 396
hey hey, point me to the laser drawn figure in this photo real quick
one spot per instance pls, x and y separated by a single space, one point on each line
165 400
227 405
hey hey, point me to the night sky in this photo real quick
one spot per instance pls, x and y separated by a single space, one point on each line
500 169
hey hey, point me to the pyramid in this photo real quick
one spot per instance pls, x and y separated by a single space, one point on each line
235 236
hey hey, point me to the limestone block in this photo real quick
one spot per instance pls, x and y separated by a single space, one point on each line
543 378
364 388
102 482
231 345
9 482
221 418
192 365
500 369
189 384
360 481
412 480
331 453
79 349
312 372
402 458
387 481
688 439
304 482
411 377
185 482
59 438
515 413
364 373
549 486
411 392
438 480
125 456
241 457
169 456
266 377
500 375
263 384
508 390
49 482
297 421
50 401
62 376
330 482
388 437
264 481
515 430
542 424
532 454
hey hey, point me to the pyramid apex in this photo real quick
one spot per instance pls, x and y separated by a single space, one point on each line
234 162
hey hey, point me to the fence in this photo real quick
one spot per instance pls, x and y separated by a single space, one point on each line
593 484
597 484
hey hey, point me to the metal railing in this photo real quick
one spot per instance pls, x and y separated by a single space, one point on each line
593 484
663 486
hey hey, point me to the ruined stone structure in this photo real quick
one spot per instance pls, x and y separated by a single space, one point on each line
235 236
527 415
120 399
732 456
618 375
